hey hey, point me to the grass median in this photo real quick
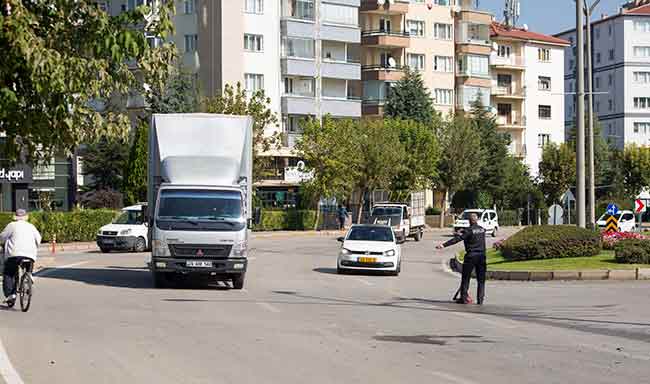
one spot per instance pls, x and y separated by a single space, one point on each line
604 260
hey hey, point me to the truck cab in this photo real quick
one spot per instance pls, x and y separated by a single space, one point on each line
407 220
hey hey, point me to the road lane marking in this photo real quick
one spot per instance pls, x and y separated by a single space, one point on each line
268 307
7 371
49 270
450 378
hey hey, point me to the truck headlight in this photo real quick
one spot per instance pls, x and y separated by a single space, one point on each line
390 253
239 250
125 232
160 248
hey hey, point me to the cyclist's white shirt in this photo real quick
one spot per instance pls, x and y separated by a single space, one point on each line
21 239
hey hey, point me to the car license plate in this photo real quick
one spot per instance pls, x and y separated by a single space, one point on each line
367 259
199 264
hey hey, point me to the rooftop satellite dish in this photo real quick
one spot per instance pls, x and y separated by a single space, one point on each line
391 62
525 27
495 46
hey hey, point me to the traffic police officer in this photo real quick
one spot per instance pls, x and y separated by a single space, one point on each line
475 258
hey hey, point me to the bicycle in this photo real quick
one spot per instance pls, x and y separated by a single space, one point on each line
25 283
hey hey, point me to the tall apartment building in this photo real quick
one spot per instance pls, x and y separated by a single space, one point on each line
528 89
621 75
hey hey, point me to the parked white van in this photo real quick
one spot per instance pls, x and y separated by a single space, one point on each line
487 218
626 221
127 232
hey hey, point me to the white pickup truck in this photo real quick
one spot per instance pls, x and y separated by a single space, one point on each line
406 219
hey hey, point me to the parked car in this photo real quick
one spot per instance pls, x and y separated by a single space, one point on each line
370 247
626 221
406 219
127 232
487 218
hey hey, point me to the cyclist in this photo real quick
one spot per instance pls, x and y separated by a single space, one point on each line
21 240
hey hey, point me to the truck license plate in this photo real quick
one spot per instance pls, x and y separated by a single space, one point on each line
199 264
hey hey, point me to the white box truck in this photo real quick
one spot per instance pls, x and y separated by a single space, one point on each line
407 219
199 192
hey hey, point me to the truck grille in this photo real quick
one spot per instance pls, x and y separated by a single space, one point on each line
200 251
109 233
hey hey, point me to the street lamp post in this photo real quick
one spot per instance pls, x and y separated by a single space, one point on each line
580 117
590 131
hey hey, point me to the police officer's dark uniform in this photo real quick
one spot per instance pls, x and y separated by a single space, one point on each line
474 239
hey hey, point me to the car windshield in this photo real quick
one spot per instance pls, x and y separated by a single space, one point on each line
199 205
387 211
467 214
130 218
370 233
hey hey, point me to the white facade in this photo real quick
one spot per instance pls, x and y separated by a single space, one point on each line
541 130
621 59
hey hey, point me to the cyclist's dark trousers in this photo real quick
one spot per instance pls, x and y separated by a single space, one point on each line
9 283
470 263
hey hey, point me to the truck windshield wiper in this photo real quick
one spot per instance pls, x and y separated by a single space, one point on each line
179 218
221 219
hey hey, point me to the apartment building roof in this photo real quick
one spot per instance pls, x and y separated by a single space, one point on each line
499 30
640 10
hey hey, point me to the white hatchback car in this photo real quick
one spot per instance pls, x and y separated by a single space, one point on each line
370 247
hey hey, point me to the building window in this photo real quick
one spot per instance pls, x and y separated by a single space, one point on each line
544 112
642 102
189 6
298 9
504 51
642 77
597 32
415 28
298 47
543 139
253 82
340 14
254 6
571 64
642 127
443 64
642 51
132 4
442 2
571 40
444 96
253 43
442 31
544 54
610 104
544 83
474 65
610 80
611 54
598 58
609 29
191 43
642 26
597 106
597 82
416 61
45 170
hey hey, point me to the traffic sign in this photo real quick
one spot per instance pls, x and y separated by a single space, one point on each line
612 224
639 207
612 209
555 214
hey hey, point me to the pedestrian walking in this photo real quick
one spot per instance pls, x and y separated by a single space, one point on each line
343 216
21 240
475 259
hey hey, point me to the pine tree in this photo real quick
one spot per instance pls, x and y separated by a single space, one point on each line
410 99
135 180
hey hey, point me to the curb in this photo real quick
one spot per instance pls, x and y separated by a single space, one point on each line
585 275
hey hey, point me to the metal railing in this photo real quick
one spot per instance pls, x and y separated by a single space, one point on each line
381 67
383 32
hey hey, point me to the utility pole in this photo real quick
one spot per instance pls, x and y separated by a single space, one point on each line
590 131
580 116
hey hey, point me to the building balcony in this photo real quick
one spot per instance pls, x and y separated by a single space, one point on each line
341 107
298 105
399 7
296 66
373 107
508 92
381 72
516 63
387 39
512 121
289 140
518 150
341 70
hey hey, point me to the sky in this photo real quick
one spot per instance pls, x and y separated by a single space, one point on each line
549 16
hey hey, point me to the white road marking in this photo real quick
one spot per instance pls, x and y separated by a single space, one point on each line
50 270
450 378
268 307
7 371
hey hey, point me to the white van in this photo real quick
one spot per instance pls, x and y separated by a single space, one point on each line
127 232
487 218
626 221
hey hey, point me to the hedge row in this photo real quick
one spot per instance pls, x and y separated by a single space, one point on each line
287 220
632 251
81 225
551 242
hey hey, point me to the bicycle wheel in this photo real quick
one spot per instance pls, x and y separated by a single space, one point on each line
26 291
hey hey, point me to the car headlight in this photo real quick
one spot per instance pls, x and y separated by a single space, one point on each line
160 248
239 250
125 232
345 252
390 253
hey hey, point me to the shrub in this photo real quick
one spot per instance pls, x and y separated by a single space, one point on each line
632 251
81 225
551 242
432 211
291 220
611 239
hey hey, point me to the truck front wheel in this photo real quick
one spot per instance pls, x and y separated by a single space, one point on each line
418 235
238 281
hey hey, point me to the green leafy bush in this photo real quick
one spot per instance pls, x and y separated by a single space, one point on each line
632 251
432 211
508 218
81 225
287 220
551 242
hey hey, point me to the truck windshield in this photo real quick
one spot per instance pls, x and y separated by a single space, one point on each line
387 211
130 218
199 205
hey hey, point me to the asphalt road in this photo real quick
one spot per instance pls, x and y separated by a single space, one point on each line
98 319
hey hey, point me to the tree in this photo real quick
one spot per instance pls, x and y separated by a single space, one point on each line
135 174
557 171
104 160
234 101
605 157
636 170
326 150
410 99
63 63
461 158
421 154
